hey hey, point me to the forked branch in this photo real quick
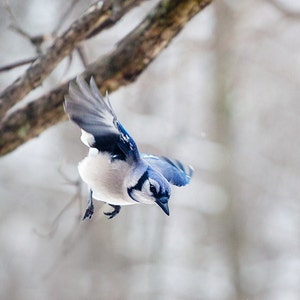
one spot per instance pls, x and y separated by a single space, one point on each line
120 67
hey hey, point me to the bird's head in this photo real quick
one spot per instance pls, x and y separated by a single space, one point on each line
151 187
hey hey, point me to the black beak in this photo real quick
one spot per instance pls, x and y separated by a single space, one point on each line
163 204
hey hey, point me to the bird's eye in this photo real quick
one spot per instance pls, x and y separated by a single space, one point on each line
152 189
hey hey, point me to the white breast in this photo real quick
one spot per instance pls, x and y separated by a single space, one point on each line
105 178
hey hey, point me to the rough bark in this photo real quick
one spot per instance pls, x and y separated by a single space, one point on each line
95 19
120 67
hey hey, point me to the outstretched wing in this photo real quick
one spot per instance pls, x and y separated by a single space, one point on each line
172 170
94 115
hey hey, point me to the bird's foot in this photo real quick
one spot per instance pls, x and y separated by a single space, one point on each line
90 209
113 213
88 213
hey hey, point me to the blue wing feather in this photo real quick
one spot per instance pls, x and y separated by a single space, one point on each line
172 170
93 113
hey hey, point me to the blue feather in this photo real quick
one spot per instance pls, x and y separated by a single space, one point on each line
93 113
172 170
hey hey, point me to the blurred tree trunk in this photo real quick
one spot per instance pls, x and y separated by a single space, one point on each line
228 237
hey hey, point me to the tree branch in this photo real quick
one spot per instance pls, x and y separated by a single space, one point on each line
17 64
99 16
122 66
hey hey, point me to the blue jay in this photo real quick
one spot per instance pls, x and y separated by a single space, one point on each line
114 170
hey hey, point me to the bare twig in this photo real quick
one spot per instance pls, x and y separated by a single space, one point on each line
97 17
14 22
63 17
17 64
120 67
82 55
76 198
36 41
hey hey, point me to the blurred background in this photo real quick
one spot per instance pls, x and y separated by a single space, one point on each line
224 98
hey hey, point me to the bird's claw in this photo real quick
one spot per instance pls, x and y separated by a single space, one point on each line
113 213
90 209
88 213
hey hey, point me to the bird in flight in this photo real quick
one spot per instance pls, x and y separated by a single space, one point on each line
114 170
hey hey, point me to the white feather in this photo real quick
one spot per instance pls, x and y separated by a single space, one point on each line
87 138
106 178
